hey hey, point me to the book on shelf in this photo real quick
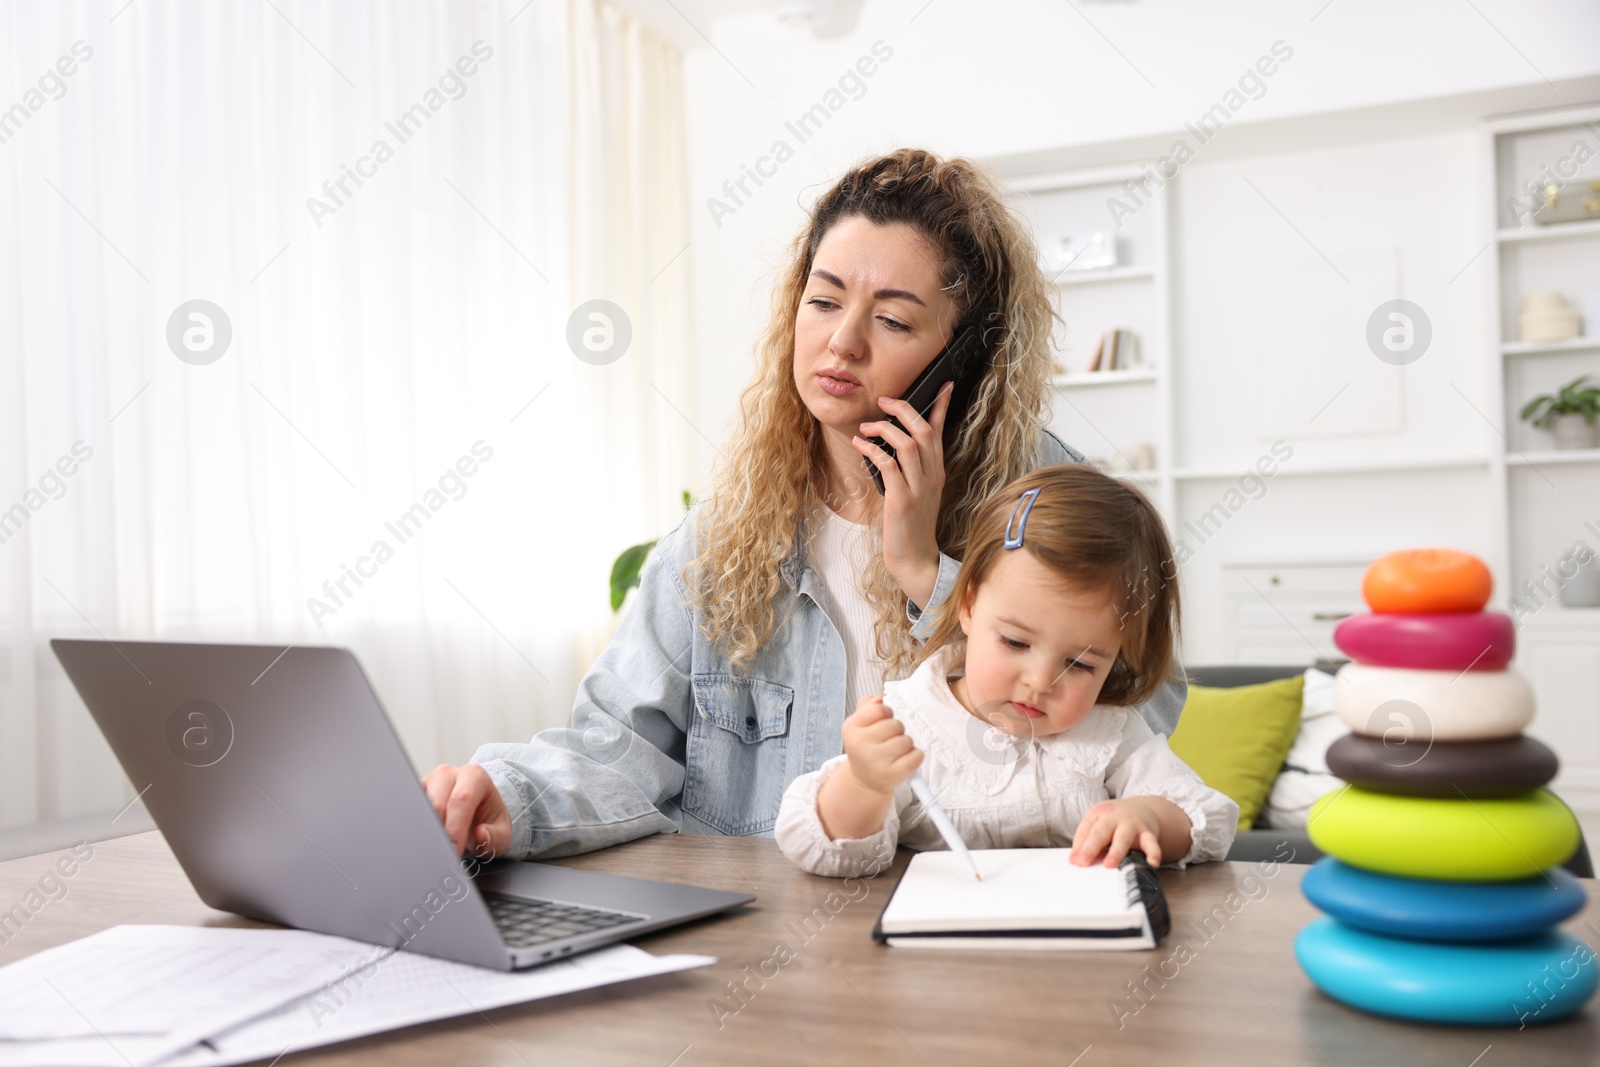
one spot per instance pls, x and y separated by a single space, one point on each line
1125 353
1116 350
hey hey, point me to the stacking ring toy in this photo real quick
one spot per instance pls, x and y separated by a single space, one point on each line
1455 769
1478 640
1428 910
1427 581
1399 704
1510 983
1449 840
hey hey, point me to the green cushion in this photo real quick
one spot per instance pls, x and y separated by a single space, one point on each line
1236 739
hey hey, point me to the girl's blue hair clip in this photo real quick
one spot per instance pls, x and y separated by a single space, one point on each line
1025 502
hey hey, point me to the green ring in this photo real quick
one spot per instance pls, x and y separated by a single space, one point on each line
1456 840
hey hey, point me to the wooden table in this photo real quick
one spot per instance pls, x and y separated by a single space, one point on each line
1223 989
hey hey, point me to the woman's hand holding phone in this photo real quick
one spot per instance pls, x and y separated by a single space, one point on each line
913 483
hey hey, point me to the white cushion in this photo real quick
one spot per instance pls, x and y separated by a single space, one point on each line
1305 778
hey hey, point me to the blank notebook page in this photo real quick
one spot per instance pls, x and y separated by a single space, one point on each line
1022 889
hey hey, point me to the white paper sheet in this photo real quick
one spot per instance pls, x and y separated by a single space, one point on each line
132 995
407 989
181 996
1022 889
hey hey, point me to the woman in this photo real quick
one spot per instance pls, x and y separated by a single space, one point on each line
792 591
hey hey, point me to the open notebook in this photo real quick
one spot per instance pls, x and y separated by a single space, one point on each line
1030 898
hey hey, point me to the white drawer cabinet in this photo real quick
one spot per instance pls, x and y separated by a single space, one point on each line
1559 653
1284 613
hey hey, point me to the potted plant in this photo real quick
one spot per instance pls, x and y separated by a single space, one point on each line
1571 414
625 571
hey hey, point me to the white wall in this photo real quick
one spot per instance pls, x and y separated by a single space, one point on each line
1411 203
1001 80
1033 86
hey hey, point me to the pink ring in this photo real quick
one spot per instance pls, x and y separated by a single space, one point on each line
1481 641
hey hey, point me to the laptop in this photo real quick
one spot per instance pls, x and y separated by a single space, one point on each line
281 787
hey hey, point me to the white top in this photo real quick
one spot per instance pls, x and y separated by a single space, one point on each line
1002 791
840 550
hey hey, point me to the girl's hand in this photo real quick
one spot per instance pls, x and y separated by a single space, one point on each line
881 754
913 482
856 798
1113 827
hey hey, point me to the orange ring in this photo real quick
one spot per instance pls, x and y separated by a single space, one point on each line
1427 581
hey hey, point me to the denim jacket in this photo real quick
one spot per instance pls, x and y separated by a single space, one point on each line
665 738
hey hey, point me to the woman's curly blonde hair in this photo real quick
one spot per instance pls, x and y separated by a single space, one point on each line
774 473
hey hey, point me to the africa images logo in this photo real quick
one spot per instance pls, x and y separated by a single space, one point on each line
199 733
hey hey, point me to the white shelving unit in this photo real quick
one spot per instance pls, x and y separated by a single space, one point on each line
1535 348
1149 275
1397 463
1108 413
1535 459
1514 150
1563 232
1540 501
1103 377
1544 501
1104 276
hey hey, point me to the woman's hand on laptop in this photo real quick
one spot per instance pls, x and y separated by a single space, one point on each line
471 809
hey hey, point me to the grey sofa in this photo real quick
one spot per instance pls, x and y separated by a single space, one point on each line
1294 846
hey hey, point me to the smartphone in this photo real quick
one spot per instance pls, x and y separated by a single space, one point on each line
960 362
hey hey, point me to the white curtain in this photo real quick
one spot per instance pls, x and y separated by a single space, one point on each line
630 247
381 199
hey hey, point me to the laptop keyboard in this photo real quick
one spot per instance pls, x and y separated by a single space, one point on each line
532 922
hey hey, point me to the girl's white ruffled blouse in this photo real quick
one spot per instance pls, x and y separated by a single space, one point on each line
1002 791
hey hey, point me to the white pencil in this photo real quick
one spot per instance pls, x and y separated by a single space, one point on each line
947 829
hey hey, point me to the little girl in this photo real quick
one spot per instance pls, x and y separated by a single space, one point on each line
1019 710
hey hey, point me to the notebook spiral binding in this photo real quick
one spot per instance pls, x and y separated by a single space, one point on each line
1145 888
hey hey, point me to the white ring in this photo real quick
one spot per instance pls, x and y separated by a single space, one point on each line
1453 705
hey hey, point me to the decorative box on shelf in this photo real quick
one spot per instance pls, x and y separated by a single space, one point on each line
1546 319
1572 201
1080 251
